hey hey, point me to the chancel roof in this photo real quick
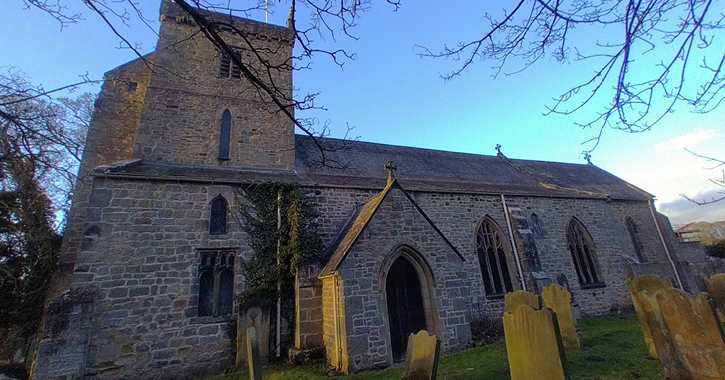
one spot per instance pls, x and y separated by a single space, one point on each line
355 164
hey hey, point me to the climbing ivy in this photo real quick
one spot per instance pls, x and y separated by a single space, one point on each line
299 243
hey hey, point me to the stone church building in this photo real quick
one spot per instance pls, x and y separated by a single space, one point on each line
151 258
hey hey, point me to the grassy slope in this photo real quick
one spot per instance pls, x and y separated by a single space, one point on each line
614 349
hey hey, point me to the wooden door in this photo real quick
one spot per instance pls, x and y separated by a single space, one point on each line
406 314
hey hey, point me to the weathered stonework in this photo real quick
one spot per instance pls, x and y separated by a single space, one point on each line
140 223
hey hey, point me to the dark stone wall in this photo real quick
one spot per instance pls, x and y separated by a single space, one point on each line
181 119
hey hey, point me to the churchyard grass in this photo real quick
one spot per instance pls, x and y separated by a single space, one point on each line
614 349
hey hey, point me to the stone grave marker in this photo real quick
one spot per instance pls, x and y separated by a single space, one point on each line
253 313
558 300
421 356
255 361
716 288
695 334
534 345
650 284
520 297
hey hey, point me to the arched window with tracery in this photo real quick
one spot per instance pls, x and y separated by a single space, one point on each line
225 135
218 216
633 234
216 282
583 254
493 252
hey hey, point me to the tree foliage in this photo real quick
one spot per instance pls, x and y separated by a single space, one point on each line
41 141
298 242
48 133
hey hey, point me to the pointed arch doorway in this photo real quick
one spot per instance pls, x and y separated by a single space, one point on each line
406 311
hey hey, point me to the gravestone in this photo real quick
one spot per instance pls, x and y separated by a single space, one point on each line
650 284
421 356
558 300
255 361
695 332
253 313
533 344
520 297
716 289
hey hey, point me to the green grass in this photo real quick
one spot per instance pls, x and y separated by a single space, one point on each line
614 349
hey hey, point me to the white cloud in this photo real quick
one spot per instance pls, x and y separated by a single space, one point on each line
689 140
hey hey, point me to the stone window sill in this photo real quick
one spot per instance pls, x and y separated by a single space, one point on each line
593 286
209 320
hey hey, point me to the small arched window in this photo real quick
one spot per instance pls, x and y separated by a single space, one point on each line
225 135
492 251
535 225
633 234
582 252
218 216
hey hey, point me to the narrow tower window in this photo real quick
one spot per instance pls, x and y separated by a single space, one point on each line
224 136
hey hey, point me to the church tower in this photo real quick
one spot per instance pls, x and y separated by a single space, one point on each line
201 109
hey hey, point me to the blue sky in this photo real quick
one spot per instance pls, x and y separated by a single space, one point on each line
392 96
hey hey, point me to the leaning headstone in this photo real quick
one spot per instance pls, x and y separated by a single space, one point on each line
695 332
421 356
255 361
558 300
650 284
716 289
520 297
253 313
660 337
533 344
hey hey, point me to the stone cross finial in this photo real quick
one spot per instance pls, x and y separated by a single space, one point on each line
498 149
390 167
588 157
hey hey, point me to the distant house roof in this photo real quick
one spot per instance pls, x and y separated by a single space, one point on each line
358 164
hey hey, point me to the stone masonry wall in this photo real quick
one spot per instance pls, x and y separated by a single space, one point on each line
111 138
397 223
141 253
181 119
458 215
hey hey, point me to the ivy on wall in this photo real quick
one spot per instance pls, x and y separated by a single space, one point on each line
299 244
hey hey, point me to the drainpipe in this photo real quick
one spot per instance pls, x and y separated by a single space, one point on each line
279 281
664 245
513 243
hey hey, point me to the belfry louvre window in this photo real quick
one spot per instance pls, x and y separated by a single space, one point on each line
216 282
225 135
492 255
227 68
582 252
218 216
632 229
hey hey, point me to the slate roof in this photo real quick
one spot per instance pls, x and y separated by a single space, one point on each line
360 165
362 215
435 170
